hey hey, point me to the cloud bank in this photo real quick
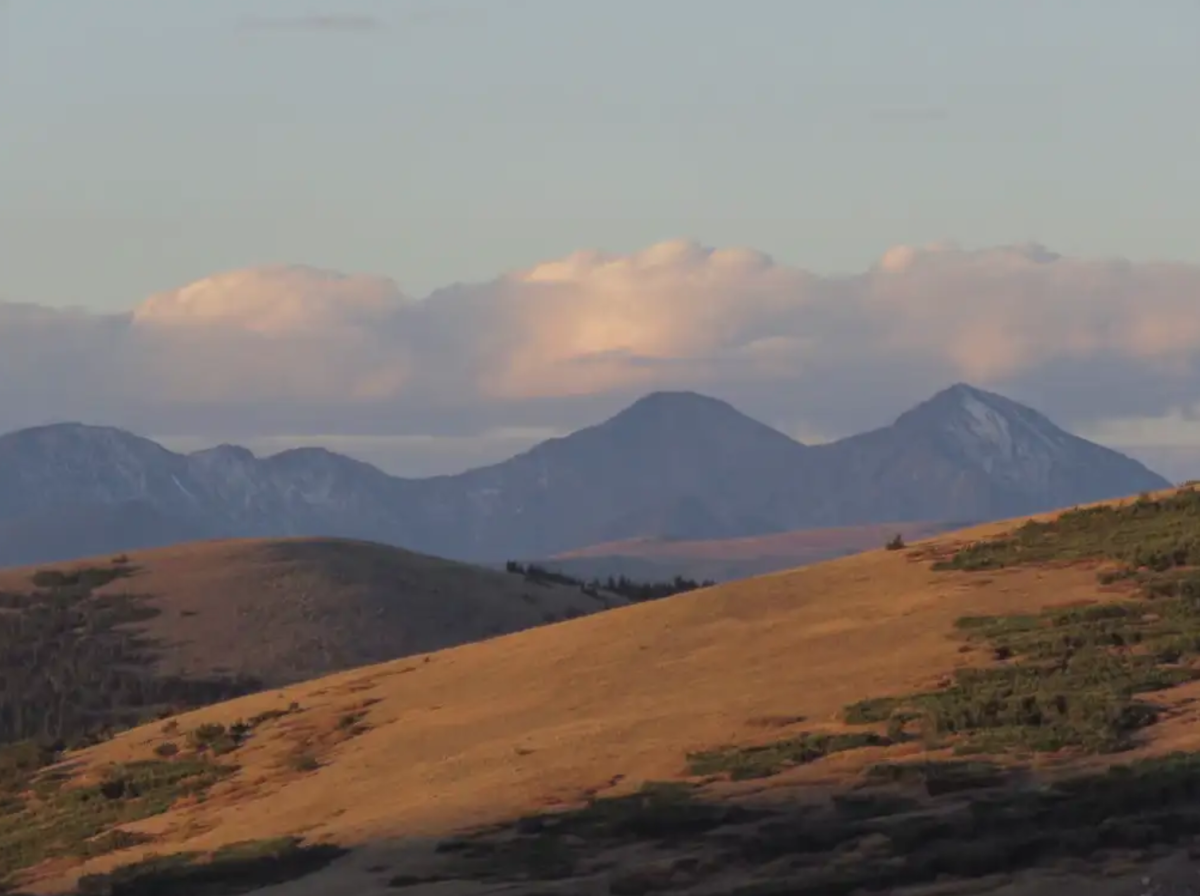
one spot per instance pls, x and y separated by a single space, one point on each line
269 353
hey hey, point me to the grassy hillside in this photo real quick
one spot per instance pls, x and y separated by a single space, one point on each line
284 610
1012 709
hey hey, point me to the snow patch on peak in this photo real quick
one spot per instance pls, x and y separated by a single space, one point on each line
1000 436
988 425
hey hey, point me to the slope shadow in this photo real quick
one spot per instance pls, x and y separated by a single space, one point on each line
900 825
230 871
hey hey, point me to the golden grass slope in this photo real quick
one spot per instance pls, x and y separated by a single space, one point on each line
492 730
286 610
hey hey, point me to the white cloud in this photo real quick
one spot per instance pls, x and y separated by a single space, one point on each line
277 300
261 353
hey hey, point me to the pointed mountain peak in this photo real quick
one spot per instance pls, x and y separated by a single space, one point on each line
964 402
681 402
684 415
988 430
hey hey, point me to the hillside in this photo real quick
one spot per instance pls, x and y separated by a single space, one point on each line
105 641
940 719
673 465
729 559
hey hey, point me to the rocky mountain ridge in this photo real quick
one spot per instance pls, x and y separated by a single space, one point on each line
673 465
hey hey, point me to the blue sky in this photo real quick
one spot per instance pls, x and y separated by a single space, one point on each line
148 143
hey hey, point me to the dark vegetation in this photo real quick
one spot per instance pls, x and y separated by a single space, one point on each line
620 585
743 763
904 824
232 870
1071 677
895 543
74 668
46 814
1152 534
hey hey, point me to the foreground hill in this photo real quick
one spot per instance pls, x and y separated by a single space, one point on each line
1011 709
729 559
672 465
105 641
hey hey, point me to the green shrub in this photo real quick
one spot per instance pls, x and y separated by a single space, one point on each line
1071 676
743 763
303 762
65 821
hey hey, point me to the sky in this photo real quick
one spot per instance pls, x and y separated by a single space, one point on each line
431 233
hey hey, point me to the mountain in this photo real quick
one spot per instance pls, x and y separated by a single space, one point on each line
673 465
968 454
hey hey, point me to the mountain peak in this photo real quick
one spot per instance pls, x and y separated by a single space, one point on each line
989 431
59 436
73 429
684 414
672 400
987 413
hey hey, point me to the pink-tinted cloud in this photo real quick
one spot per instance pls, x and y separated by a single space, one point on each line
284 349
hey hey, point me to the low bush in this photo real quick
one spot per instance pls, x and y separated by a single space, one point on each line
742 763
62 820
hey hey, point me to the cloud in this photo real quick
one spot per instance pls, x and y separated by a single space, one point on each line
263 354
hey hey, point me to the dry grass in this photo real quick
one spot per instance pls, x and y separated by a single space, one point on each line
490 731
286 610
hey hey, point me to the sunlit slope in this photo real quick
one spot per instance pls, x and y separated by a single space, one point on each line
423 747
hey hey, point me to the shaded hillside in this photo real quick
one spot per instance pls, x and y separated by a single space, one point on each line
283 610
1013 709
726 560
673 465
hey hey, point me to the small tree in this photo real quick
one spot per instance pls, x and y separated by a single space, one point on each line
896 543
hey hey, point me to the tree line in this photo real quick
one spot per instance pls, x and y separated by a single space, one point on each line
620 585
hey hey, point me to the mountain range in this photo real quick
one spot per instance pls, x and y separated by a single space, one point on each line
671 465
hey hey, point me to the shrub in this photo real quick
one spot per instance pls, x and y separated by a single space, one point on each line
742 763
73 821
303 762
